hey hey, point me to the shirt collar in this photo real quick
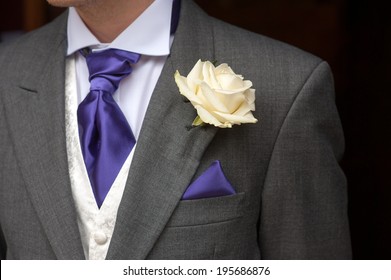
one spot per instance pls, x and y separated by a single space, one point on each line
149 34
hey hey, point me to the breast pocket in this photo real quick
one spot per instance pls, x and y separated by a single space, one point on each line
208 210
210 228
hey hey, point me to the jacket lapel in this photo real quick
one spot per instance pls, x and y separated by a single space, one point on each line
36 118
169 150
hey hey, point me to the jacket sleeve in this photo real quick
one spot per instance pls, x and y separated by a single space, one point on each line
304 199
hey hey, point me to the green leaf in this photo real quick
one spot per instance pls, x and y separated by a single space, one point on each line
197 121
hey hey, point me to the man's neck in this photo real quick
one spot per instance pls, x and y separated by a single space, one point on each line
107 19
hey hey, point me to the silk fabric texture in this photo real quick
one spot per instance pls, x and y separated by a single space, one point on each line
105 135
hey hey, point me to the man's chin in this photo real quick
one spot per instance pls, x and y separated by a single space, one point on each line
67 3
59 3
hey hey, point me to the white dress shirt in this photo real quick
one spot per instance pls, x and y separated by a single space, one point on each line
148 35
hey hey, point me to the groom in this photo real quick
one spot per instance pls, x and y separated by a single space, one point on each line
99 158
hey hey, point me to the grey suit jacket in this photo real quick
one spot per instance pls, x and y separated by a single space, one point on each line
291 200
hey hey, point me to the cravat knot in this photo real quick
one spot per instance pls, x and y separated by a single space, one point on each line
107 68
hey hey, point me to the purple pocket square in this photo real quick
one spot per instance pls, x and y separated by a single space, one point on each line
211 183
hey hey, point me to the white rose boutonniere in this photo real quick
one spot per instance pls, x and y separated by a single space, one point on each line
221 97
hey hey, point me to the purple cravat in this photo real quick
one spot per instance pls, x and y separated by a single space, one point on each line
105 135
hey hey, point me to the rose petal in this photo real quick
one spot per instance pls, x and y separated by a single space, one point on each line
244 109
248 104
212 80
196 72
235 119
246 86
184 89
212 102
250 96
195 77
224 69
230 82
206 116
232 102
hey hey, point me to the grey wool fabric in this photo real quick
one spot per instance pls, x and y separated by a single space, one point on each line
291 200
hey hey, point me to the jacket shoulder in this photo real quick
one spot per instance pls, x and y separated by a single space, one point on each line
27 53
35 42
253 47
277 70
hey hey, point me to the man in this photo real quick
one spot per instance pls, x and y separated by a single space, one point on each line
285 195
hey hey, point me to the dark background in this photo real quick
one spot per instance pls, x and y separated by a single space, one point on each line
354 36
